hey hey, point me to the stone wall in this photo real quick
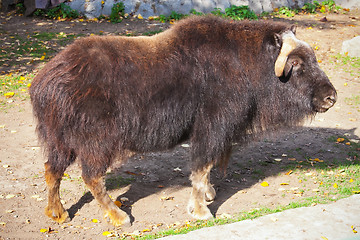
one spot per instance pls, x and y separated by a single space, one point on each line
95 8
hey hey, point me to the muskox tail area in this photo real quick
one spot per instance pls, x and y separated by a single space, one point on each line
75 121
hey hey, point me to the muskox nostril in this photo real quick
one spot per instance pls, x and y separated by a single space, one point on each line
330 99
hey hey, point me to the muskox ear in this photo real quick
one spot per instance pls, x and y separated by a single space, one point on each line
278 40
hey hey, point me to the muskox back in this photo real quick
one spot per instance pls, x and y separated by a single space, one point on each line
206 80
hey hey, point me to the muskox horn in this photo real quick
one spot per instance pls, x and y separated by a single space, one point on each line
290 42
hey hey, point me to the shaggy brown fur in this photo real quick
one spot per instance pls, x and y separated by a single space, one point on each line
206 80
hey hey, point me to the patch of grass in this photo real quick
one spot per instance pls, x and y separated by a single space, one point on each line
352 64
14 87
117 13
115 181
61 11
354 100
240 13
36 47
323 7
194 12
285 11
151 33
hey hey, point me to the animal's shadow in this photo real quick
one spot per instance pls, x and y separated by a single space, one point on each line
248 165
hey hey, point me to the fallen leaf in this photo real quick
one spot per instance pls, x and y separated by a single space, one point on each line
106 233
131 173
335 185
9 94
166 198
43 230
284 183
264 184
289 172
356 192
340 140
10 196
118 203
351 180
94 220
316 160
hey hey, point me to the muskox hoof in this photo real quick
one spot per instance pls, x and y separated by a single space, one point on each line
199 211
58 215
210 195
118 218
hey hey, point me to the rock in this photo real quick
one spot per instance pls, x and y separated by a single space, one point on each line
351 47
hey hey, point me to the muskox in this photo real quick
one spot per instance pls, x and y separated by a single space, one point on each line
206 80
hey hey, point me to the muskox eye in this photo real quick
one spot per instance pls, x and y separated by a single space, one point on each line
295 63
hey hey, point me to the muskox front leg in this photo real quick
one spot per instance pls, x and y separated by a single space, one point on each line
202 193
96 184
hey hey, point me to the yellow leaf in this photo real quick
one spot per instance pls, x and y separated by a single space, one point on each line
146 230
335 185
325 238
284 184
102 2
9 94
289 172
42 58
29 85
264 184
345 84
22 78
140 17
118 203
340 140
95 220
351 180
43 230
356 192
106 233
316 160
348 143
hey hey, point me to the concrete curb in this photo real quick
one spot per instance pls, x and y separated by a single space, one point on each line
330 221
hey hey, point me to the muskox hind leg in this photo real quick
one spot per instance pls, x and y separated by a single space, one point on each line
94 179
54 171
202 193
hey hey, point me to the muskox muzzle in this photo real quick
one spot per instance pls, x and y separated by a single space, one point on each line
325 97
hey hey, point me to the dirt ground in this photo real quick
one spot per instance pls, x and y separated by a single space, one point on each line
154 188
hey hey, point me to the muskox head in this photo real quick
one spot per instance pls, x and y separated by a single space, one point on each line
297 64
